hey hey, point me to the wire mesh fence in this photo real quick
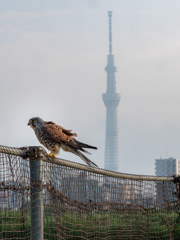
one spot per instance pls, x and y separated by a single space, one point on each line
80 202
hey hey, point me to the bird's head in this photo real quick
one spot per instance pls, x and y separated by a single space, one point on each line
35 122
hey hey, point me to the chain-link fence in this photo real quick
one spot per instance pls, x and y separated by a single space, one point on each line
45 198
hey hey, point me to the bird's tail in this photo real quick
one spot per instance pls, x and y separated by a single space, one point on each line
83 157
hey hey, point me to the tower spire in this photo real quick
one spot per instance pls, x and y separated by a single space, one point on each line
111 100
110 32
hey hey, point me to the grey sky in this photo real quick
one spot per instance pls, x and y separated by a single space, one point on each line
52 60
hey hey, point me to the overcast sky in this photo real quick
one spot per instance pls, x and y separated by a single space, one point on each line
52 60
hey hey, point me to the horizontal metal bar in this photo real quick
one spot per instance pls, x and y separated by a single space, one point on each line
108 173
22 152
13 151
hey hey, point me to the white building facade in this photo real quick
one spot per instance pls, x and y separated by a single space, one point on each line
167 167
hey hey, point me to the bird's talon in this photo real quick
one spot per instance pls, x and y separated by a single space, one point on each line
51 155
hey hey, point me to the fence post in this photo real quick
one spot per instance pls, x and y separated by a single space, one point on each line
36 209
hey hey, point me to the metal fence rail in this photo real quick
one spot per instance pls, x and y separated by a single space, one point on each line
23 152
45 198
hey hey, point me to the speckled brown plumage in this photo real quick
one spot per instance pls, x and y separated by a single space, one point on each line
54 137
56 132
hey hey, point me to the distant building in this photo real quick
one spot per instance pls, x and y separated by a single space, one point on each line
166 191
81 189
167 167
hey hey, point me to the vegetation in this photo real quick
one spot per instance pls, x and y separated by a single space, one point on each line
124 224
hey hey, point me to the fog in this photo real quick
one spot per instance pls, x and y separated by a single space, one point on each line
52 60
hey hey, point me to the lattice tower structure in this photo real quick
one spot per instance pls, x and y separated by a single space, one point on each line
111 100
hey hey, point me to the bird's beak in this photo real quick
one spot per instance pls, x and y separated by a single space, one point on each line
29 122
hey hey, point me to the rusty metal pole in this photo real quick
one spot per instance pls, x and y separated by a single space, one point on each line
35 161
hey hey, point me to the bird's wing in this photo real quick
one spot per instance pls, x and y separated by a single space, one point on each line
76 145
84 145
57 133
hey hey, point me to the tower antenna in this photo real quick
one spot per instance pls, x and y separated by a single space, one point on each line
110 32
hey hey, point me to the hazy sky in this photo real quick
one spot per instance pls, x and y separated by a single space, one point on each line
52 60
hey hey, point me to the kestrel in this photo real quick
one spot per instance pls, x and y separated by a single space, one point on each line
54 137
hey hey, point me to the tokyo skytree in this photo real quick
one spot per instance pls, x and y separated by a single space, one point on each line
111 100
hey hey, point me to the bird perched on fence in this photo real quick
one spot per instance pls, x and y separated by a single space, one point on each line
54 137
